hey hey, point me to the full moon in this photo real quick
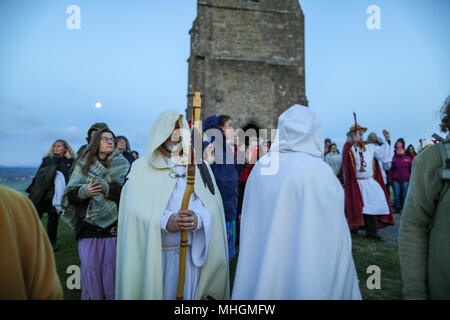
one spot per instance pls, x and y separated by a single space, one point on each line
98 105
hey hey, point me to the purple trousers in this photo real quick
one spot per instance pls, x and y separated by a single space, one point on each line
98 268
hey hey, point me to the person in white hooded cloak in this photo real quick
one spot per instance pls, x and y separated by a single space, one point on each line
150 220
295 242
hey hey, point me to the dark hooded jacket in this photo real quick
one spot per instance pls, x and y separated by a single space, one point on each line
41 189
226 174
127 152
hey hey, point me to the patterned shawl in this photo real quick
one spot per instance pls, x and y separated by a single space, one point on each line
101 211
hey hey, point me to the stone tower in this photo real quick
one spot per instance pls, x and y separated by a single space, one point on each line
247 60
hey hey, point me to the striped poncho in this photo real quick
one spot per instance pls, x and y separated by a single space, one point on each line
101 212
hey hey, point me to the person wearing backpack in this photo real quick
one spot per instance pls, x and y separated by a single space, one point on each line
424 246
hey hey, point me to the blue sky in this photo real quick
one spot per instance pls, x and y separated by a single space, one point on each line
132 57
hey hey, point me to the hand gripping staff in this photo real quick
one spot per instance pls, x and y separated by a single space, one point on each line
187 195
361 145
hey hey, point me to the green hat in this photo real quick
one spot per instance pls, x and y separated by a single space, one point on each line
96 126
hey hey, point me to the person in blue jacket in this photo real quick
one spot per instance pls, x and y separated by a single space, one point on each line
226 170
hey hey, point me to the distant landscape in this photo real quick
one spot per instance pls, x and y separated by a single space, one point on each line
18 178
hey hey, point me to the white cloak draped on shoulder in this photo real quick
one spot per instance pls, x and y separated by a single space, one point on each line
144 249
295 242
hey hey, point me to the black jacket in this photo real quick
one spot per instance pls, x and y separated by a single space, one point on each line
128 156
42 187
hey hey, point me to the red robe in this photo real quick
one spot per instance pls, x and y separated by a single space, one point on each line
353 199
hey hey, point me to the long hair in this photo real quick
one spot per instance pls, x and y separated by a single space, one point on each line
222 119
409 153
337 150
66 146
402 141
127 148
90 154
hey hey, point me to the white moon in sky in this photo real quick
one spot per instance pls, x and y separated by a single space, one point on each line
98 105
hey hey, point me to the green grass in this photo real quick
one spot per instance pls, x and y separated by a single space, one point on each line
366 252
66 256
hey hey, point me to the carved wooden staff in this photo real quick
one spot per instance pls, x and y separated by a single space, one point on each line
361 145
356 130
186 197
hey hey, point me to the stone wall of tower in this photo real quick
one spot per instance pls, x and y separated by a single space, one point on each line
247 59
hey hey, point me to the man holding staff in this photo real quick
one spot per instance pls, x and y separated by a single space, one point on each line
150 222
366 196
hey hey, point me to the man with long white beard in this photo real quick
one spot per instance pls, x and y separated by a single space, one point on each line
150 221
295 242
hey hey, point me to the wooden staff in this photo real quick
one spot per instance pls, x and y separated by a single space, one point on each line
187 195
361 145
356 130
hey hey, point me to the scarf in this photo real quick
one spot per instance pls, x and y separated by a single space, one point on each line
101 212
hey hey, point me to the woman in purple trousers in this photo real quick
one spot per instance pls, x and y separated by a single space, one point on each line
91 202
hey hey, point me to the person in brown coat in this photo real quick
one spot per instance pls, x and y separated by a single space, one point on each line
27 264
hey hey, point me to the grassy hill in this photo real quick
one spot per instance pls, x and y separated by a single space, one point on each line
365 252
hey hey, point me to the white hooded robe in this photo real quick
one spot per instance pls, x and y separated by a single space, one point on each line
295 242
147 263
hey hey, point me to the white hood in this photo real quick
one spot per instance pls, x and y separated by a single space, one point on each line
298 206
299 130
161 130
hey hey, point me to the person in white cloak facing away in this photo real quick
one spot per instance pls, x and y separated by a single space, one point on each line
150 221
295 241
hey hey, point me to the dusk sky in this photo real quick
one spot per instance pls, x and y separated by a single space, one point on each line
131 56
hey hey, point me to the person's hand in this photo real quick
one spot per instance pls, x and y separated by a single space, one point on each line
386 134
67 155
89 190
103 184
94 188
183 220
187 220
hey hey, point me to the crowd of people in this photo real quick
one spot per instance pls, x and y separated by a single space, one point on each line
395 168
47 187
126 217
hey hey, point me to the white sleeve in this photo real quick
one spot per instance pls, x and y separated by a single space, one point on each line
165 218
385 153
201 235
